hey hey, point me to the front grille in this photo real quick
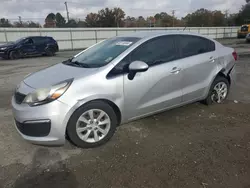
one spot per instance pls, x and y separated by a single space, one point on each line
19 97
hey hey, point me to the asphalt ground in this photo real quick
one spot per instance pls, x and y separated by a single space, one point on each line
191 146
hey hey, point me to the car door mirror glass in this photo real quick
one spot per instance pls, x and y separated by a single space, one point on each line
136 66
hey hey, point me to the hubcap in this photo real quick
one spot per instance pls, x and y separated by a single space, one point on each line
219 92
93 125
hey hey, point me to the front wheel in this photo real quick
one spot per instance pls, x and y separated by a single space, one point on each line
92 124
14 55
218 91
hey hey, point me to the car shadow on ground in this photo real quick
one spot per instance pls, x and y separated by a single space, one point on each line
45 175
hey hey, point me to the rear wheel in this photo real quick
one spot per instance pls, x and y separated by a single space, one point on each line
218 91
14 55
50 52
92 125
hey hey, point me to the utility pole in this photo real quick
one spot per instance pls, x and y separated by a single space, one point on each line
173 14
20 20
66 5
226 17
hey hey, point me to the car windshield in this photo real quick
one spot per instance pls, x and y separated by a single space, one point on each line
19 40
104 52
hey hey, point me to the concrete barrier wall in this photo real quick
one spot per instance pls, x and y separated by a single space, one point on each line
79 38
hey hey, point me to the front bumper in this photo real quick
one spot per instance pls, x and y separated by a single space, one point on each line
55 113
242 35
3 54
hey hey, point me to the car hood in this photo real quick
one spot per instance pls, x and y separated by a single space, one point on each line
6 45
56 74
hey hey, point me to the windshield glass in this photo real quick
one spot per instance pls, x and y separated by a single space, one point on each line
19 40
244 28
104 52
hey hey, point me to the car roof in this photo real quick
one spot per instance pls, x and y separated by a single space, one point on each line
151 34
38 36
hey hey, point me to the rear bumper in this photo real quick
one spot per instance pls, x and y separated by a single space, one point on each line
232 75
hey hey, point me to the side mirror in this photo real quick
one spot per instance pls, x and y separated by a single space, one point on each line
136 66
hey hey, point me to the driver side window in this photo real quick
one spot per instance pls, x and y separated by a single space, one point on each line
28 41
156 51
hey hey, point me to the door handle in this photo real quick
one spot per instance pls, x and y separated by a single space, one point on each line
175 70
211 59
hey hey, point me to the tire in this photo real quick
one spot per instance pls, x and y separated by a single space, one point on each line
84 113
50 52
14 55
212 97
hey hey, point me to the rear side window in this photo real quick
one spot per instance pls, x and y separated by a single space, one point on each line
155 51
194 45
49 40
38 40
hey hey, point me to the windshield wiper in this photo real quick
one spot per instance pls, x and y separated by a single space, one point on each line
80 64
77 63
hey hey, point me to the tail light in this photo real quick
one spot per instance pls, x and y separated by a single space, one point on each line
235 55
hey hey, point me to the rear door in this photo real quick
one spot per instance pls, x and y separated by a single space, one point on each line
52 43
40 43
198 63
160 86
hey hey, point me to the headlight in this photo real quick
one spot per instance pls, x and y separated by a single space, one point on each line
4 48
46 95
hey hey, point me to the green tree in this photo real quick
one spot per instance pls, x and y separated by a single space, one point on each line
18 24
130 22
231 20
218 18
244 15
81 23
141 22
72 23
32 24
150 21
163 20
92 20
199 18
119 16
5 23
107 18
50 20
60 20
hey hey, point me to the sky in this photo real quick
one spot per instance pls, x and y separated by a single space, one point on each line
37 10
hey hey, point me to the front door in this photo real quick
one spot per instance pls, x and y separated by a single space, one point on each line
159 87
28 47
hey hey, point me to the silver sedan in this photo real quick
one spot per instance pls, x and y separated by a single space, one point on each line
119 80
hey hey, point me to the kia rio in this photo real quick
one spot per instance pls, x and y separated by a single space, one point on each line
119 80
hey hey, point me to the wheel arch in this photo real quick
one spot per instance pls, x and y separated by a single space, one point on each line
109 102
224 74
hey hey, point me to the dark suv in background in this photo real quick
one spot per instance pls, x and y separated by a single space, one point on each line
29 46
